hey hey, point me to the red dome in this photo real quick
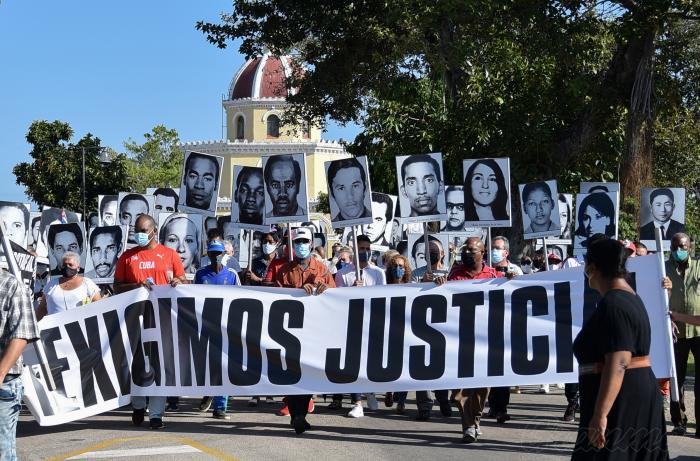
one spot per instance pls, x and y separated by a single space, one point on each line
261 77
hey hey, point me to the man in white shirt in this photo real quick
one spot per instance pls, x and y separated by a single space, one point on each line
500 250
369 275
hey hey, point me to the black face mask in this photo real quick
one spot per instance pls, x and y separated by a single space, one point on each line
434 257
69 272
469 259
364 256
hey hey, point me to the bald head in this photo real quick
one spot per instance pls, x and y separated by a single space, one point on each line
473 253
475 242
145 223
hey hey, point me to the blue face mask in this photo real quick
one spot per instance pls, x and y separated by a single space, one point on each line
680 255
497 256
399 272
341 265
302 250
142 239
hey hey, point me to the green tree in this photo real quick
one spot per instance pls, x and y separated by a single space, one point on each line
323 205
54 176
157 162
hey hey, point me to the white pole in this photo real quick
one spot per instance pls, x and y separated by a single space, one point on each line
356 254
544 249
669 324
426 250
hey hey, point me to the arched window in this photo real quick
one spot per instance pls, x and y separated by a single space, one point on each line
240 127
273 126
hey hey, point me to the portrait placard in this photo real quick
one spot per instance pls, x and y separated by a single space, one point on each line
416 249
596 213
540 209
286 200
349 192
421 188
183 233
165 199
34 225
62 238
105 245
108 212
566 221
487 192
662 208
590 187
129 207
49 216
16 217
248 198
201 177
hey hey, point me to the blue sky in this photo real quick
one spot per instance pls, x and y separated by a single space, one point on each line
115 69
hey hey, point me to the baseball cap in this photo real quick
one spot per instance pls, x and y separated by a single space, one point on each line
216 245
553 256
302 233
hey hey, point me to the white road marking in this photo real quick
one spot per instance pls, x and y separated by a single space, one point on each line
171 450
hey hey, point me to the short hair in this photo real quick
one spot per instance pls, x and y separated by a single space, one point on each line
640 245
115 231
134 197
532 187
506 243
363 238
656 192
378 197
105 200
421 239
70 255
245 173
420 158
70 227
35 219
453 188
274 236
608 256
19 206
195 155
147 218
274 159
167 192
214 233
598 187
338 165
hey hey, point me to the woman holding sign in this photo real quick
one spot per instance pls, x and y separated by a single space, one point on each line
622 414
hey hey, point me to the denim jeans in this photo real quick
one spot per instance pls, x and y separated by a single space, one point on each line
10 405
156 405
220 402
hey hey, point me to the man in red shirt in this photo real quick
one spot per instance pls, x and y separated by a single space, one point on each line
470 402
145 265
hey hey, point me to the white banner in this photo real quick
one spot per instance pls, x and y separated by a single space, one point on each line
201 340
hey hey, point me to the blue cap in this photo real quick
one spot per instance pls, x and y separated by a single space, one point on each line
216 246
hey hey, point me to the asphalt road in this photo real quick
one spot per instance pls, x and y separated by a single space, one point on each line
535 432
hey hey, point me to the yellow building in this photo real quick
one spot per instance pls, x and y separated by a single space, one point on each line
254 108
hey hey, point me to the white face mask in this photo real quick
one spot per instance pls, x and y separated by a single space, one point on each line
527 268
268 248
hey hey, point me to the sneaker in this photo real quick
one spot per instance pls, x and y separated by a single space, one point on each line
336 405
299 424
172 406
501 418
270 400
544 389
253 402
478 431
678 429
372 403
205 404
312 407
400 408
284 411
157 423
446 408
137 416
469 435
356 411
220 414
389 400
570 413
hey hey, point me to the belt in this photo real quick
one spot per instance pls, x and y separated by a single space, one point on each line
595 368
9 377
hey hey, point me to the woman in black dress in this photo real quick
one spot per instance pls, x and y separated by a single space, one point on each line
621 406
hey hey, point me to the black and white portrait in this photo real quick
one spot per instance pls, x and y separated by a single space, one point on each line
416 249
34 225
381 228
454 200
248 198
232 233
129 207
183 233
349 192
596 213
487 192
421 187
566 221
62 238
165 199
15 216
661 208
105 245
201 176
285 188
49 216
108 212
590 187
540 202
